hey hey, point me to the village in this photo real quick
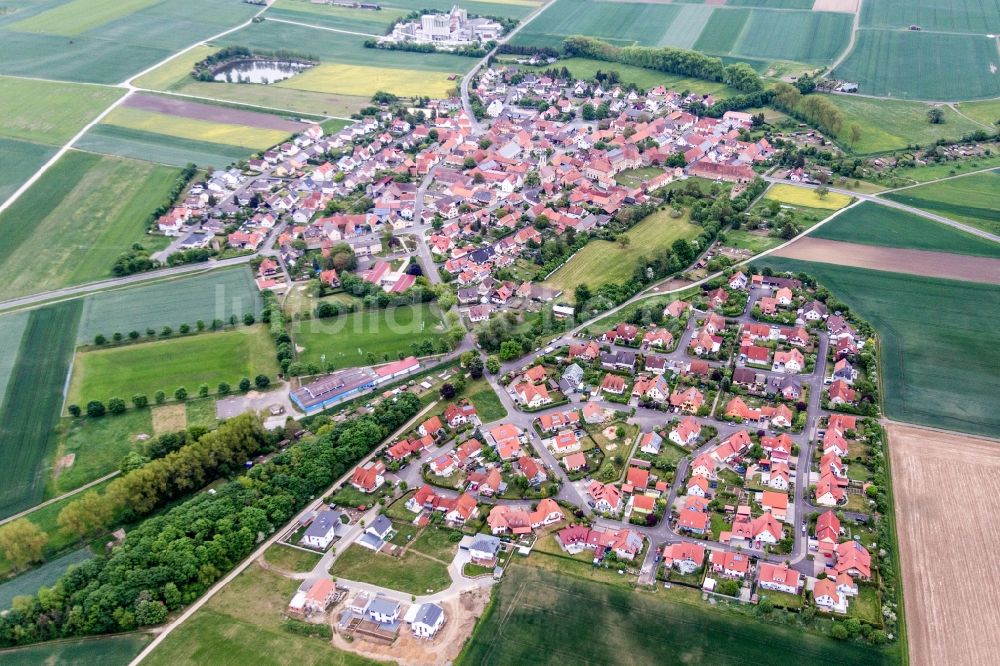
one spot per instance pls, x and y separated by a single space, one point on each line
721 445
674 460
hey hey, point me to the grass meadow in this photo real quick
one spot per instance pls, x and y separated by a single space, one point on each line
939 368
888 124
242 625
98 446
74 222
346 340
104 650
165 365
410 573
969 199
601 261
31 404
211 295
541 612
49 112
872 224
986 112
291 559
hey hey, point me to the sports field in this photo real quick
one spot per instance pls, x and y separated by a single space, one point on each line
211 295
365 81
49 112
795 195
193 129
938 365
923 65
31 404
242 625
98 445
567 619
107 41
348 339
105 650
601 261
872 224
165 365
888 124
970 199
74 222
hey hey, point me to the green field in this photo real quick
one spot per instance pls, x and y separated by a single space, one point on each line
872 224
895 124
346 340
78 16
722 31
206 296
341 18
165 365
485 400
18 161
160 148
505 8
291 559
410 573
970 199
586 68
112 40
44 575
565 618
31 405
622 23
49 112
193 129
973 16
74 221
601 261
922 65
799 36
99 446
107 651
939 368
242 625
11 332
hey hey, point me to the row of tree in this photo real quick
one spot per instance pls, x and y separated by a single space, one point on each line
667 59
171 559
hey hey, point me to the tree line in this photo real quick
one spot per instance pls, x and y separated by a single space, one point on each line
171 559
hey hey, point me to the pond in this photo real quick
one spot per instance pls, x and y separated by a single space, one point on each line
259 71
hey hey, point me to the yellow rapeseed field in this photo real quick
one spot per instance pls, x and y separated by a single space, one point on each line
364 81
794 195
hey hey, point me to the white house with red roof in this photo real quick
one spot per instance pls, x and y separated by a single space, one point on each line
778 577
684 556
369 478
686 432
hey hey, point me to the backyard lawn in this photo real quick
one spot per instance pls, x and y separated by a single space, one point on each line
165 365
601 261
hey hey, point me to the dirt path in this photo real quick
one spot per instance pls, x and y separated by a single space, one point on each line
945 487
210 112
897 260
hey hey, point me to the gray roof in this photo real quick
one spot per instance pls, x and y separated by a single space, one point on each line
325 522
428 614
486 543
574 372
383 606
381 525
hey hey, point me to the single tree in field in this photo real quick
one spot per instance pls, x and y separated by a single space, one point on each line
935 116
22 542
854 132
624 241
822 191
